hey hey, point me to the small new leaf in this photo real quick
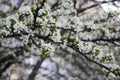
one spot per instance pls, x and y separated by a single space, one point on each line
53 25
44 53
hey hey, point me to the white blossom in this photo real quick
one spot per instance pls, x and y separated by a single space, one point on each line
56 36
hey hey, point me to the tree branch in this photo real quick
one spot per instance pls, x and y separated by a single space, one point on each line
35 69
94 5
112 40
35 14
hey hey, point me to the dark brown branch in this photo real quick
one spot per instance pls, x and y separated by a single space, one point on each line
108 40
35 14
89 59
11 56
4 59
94 5
83 54
111 40
7 65
114 71
35 69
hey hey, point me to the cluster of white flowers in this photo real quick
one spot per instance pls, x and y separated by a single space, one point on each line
59 24
56 36
26 15
48 47
9 18
85 47
19 21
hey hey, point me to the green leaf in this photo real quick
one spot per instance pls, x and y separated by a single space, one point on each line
44 14
32 9
26 48
12 23
75 42
116 71
106 58
93 46
97 51
64 38
7 29
44 53
103 20
53 25
96 21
